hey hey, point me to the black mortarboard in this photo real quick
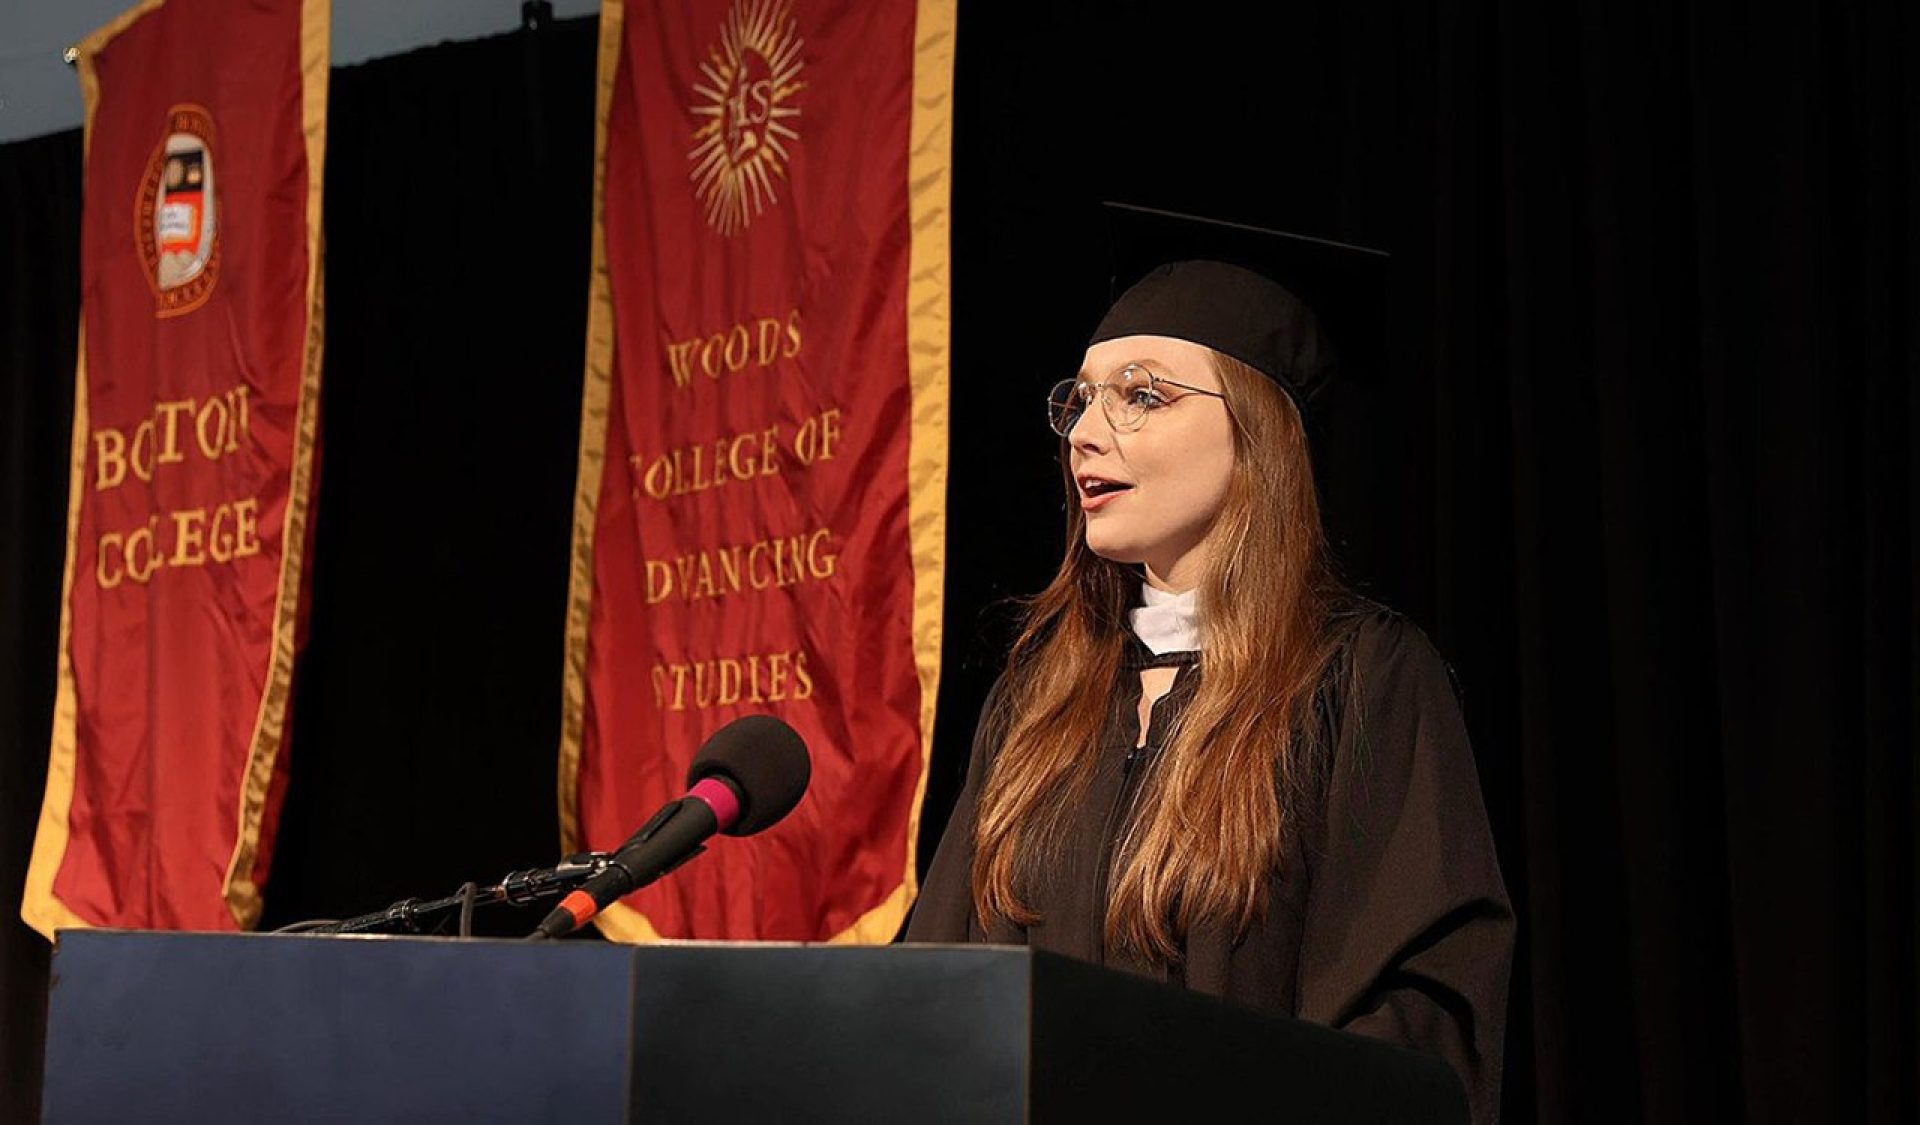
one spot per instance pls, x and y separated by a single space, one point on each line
1275 301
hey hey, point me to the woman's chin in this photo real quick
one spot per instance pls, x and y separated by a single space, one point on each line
1114 549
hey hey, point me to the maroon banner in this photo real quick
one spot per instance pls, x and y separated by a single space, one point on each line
759 525
195 414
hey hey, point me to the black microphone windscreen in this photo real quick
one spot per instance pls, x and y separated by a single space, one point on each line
767 762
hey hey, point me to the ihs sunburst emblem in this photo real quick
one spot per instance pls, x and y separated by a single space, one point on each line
752 77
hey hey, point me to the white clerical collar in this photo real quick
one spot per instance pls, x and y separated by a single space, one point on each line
1167 622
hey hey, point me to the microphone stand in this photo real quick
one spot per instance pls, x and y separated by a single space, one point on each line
520 888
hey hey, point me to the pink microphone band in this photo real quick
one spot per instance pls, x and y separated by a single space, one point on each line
718 796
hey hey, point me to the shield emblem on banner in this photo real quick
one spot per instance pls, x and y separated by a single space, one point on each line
178 228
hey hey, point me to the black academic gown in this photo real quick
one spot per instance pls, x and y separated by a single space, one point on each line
1388 916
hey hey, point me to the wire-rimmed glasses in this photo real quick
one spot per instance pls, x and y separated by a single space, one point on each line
1126 398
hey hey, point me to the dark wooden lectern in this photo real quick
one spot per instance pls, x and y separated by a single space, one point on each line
208 1028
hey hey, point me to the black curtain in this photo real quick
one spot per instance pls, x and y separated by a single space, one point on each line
39 326
1641 457
459 192
1674 313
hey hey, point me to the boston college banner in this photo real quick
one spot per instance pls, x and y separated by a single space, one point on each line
759 522
194 439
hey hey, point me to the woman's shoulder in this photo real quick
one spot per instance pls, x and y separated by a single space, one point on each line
1381 650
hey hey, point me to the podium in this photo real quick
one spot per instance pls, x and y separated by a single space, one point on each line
210 1028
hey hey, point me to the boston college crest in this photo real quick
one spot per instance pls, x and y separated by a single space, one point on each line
177 228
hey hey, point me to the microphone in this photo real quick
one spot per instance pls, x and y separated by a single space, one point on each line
747 776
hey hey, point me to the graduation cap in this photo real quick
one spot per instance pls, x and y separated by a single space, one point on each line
1295 307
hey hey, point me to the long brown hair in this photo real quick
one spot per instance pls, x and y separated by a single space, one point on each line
1206 828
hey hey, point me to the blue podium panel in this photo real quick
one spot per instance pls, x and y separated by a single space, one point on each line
250 1028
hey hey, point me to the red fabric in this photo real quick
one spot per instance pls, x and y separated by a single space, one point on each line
799 312
169 671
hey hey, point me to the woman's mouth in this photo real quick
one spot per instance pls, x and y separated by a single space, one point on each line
1097 492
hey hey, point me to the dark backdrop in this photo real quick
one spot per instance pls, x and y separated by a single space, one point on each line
1641 457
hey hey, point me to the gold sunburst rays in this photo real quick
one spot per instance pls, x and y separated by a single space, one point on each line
751 77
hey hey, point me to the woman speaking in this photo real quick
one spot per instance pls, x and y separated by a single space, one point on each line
1206 761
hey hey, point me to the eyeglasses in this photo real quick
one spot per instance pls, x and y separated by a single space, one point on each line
1126 399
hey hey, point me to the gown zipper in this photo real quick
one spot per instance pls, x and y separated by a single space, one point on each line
1135 757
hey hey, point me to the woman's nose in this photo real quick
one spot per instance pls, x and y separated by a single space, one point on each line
1091 433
